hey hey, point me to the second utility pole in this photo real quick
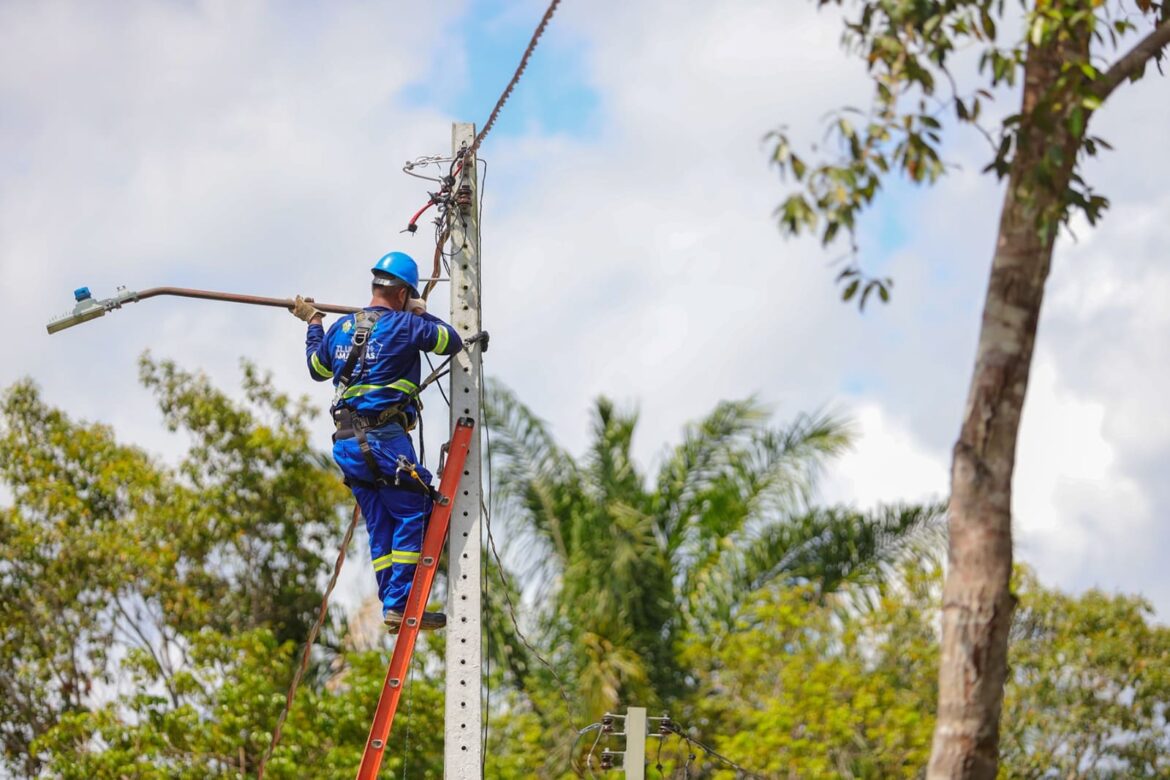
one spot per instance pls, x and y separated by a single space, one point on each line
463 724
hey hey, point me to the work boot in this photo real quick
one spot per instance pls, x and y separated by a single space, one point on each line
430 620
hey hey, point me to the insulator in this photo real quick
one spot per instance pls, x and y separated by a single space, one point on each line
463 197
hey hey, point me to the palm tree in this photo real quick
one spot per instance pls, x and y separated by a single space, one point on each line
618 568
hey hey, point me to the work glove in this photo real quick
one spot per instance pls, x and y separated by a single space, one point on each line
304 309
416 306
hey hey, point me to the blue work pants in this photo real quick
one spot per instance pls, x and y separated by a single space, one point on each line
395 517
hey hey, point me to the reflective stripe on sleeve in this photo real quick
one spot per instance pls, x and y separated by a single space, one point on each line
442 340
319 367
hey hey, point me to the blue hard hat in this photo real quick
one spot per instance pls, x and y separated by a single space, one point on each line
399 265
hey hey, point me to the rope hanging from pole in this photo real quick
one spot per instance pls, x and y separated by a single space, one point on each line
309 642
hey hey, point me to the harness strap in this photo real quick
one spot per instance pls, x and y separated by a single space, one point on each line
350 425
364 321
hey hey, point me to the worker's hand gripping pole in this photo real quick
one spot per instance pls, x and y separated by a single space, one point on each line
416 603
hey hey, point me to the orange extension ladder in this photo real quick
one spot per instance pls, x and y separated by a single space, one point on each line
416 603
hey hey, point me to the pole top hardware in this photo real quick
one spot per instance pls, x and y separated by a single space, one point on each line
482 338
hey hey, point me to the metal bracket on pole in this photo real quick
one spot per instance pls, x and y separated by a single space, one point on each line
462 745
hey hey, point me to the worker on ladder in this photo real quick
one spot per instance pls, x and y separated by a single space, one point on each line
372 357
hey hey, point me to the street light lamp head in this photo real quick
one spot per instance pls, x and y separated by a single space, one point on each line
86 309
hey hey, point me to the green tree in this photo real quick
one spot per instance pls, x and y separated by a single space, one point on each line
1088 693
232 689
110 560
804 688
808 687
623 567
792 674
1061 57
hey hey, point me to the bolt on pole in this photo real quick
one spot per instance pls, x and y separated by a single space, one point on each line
463 724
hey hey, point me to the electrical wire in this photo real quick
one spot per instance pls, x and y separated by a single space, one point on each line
485 506
442 392
577 741
486 509
491 120
520 634
710 751
593 747
485 580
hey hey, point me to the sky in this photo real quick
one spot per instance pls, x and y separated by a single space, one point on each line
629 247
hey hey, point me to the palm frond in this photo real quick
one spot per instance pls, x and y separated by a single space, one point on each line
829 547
613 474
535 481
760 475
521 443
698 460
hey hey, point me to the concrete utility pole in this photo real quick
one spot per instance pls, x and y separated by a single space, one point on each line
462 745
635 758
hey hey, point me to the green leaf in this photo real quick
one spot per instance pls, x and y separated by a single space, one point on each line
1036 31
850 289
988 23
865 294
830 233
798 167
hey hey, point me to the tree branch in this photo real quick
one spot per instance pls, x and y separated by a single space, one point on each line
1133 61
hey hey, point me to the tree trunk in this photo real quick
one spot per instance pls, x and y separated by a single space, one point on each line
977 600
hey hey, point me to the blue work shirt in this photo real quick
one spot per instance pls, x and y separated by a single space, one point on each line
391 367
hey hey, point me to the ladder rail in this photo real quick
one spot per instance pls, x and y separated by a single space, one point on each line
416 603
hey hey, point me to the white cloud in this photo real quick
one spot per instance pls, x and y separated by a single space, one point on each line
886 465
1069 489
256 147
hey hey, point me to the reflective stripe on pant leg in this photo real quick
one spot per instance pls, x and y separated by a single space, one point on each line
404 562
409 511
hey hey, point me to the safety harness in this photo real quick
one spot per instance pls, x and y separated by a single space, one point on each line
351 425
